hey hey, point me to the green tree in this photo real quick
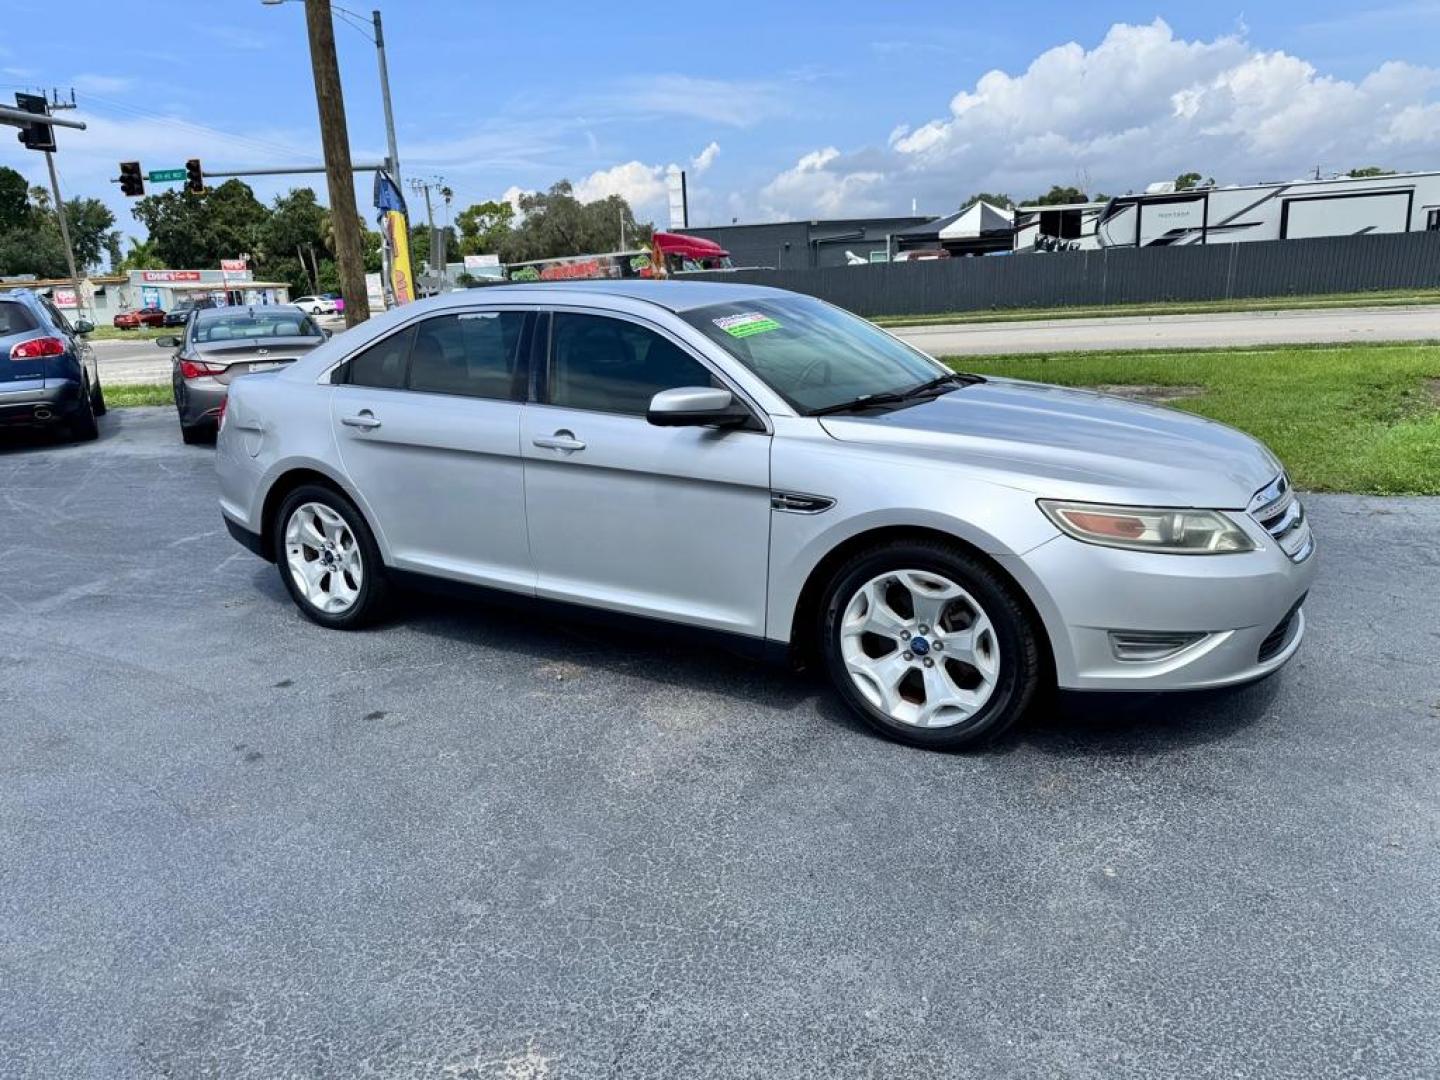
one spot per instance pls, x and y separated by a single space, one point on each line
1190 180
14 199
1004 202
141 256
1059 196
420 244
557 224
90 223
484 227
198 230
30 240
1370 170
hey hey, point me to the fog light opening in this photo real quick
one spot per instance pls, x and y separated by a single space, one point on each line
1141 646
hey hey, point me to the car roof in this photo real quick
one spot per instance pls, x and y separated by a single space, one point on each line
671 295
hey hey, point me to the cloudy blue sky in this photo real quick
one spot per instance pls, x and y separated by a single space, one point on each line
799 109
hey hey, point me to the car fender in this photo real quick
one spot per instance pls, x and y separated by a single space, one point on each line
278 470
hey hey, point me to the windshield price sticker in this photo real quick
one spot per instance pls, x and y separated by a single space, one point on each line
752 322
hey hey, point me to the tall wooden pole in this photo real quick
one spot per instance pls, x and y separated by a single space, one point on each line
335 138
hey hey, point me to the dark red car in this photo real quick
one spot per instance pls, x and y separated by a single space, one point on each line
132 320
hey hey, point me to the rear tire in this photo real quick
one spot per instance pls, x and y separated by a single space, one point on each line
83 427
328 559
197 434
950 668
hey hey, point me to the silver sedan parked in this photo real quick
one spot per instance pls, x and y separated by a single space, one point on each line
762 465
221 343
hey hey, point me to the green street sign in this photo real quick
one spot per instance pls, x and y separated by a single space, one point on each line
159 176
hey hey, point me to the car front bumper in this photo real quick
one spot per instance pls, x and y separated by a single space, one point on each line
1246 608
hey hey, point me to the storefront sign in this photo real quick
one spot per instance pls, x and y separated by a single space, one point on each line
64 298
232 266
169 275
150 297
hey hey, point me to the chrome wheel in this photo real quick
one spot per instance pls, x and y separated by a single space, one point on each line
920 648
324 558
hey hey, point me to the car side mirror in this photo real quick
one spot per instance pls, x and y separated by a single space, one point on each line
170 342
83 326
695 406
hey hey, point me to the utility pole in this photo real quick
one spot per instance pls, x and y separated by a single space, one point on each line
57 104
385 95
424 186
335 138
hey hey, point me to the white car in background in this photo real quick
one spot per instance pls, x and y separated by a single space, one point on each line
316 305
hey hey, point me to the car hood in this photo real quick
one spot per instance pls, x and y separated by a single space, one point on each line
1076 444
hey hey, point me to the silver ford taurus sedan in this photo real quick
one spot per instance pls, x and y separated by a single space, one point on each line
763 465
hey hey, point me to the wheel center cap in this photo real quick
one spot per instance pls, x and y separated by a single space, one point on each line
919 646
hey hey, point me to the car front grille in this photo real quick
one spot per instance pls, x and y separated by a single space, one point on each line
1278 510
1277 639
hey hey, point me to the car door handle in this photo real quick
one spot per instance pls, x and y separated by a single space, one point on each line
365 420
562 440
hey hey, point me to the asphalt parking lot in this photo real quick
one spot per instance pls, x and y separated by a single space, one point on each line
474 844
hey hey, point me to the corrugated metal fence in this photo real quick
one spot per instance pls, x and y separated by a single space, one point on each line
1332 264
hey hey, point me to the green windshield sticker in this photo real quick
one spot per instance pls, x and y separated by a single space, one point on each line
752 322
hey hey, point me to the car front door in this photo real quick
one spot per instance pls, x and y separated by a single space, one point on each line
672 522
427 421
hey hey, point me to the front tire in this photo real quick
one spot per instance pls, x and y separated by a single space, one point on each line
328 559
929 645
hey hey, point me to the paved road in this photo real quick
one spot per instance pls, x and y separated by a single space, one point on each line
473 845
141 362
1180 331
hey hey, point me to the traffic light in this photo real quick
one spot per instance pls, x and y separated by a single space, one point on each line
132 181
194 176
37 135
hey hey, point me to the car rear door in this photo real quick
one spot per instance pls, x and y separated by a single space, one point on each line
427 422
672 522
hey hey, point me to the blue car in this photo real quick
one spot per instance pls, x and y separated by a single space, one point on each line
48 374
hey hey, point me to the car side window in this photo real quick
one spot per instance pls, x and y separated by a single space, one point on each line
382 365
59 320
610 365
472 354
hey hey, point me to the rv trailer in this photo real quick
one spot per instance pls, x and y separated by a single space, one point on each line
1347 206
1066 227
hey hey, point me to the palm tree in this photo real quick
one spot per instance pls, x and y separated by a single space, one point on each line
141 256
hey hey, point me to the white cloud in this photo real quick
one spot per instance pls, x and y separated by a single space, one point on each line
703 160
90 83
1141 105
823 192
513 194
639 184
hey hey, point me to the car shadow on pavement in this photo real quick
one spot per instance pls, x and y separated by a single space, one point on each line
1062 724
1106 724
652 651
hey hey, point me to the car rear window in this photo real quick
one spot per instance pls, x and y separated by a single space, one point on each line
289 323
15 318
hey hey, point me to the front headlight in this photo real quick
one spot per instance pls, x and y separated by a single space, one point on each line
1174 532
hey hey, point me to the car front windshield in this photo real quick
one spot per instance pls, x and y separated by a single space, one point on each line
242 326
813 355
